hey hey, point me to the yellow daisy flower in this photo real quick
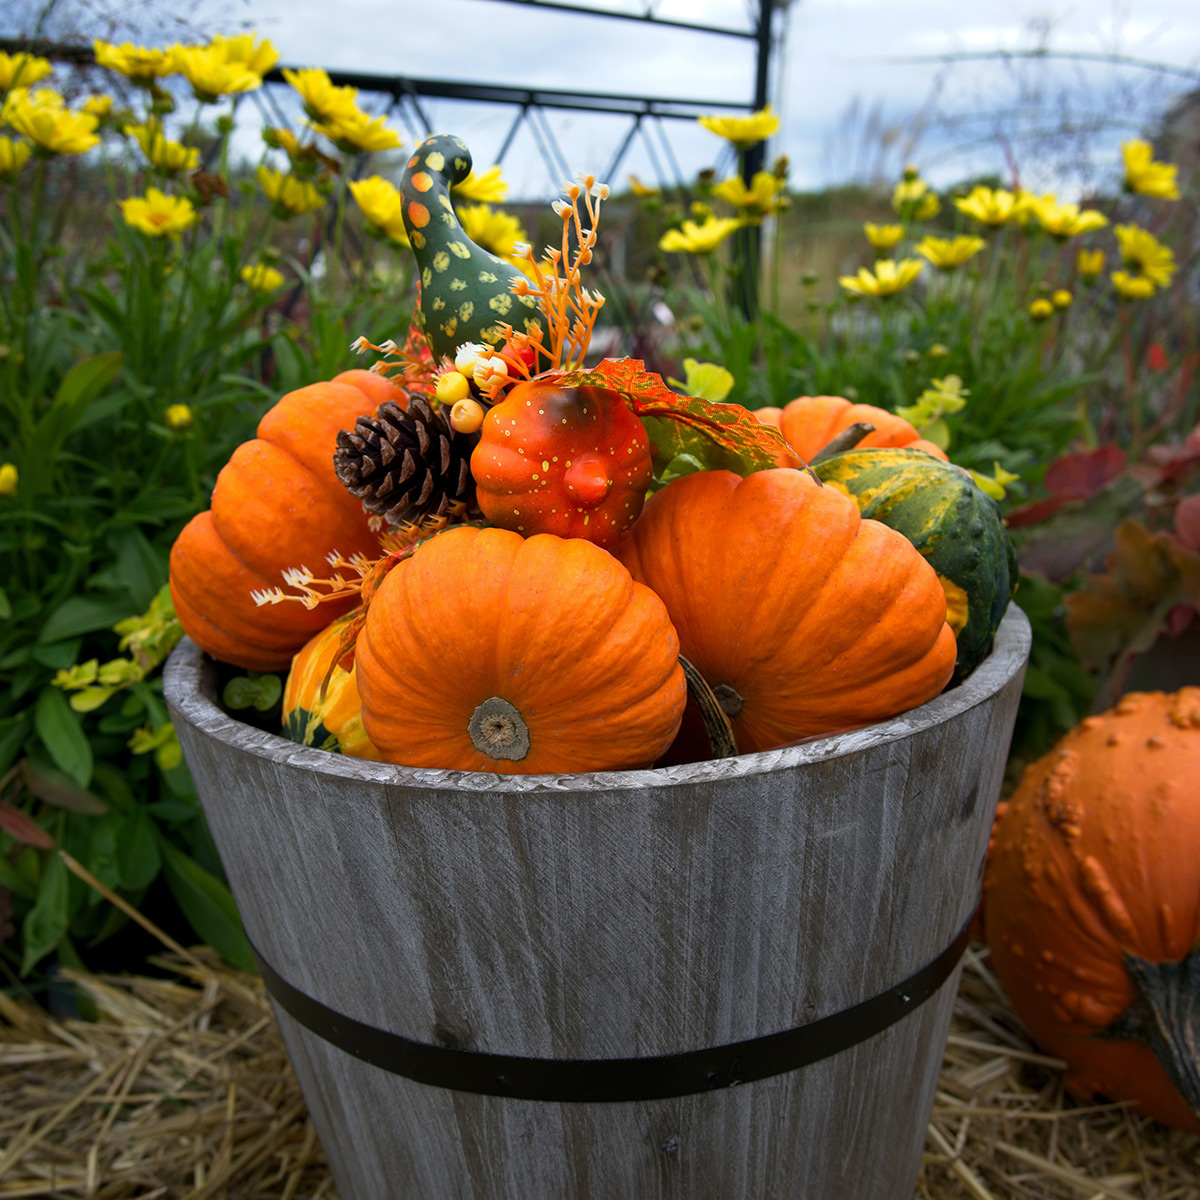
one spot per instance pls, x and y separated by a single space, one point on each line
47 122
913 200
1041 310
357 133
743 132
100 107
1089 264
696 238
883 237
382 206
141 64
22 70
261 278
13 156
888 278
289 196
949 253
1133 287
1145 176
485 188
1066 220
212 75
988 206
641 190
177 418
496 231
1142 250
165 154
322 101
159 215
8 479
1061 298
245 48
760 199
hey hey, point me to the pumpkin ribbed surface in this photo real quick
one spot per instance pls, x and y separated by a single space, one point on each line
543 650
277 504
811 422
334 722
956 528
1096 857
803 617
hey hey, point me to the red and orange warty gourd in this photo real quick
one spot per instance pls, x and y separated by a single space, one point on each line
277 504
811 422
569 461
333 720
803 617
487 651
1092 904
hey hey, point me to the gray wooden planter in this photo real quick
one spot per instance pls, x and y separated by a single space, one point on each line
619 916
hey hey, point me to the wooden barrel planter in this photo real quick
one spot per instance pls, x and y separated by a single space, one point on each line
728 980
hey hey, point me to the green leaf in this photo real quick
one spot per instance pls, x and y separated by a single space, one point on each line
208 905
12 734
58 656
85 614
261 691
141 569
62 734
52 787
80 386
47 920
6 611
138 858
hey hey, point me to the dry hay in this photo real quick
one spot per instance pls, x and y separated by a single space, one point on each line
182 1089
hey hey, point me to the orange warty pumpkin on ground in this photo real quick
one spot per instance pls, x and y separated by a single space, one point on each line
810 422
569 461
1091 904
277 504
486 651
803 617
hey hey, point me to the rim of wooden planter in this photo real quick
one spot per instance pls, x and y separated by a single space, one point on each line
189 686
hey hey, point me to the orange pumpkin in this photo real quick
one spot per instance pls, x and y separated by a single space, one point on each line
1092 904
277 504
811 422
570 461
803 617
486 651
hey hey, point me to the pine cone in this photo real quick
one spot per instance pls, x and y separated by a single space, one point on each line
405 465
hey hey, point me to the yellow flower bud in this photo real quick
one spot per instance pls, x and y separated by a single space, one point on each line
8 479
467 415
1041 309
1061 298
452 387
178 417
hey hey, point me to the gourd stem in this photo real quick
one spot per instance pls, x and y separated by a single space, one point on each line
716 723
1166 1017
846 440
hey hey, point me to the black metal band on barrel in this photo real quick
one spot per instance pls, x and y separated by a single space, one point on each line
656 1077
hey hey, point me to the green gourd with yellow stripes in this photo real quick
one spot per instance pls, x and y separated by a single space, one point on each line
466 292
333 721
954 525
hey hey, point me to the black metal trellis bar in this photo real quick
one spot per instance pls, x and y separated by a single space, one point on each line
642 18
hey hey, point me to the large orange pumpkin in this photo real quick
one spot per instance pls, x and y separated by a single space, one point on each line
802 616
277 504
1092 904
486 651
811 422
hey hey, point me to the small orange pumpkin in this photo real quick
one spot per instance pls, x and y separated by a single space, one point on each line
811 422
277 504
1092 904
803 617
569 461
486 651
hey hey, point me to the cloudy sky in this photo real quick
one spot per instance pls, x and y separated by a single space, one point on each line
854 101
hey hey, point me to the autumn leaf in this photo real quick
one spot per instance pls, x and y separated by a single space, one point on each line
718 436
1121 612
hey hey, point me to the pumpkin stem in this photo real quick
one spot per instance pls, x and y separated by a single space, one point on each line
839 443
498 730
716 722
1166 1017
